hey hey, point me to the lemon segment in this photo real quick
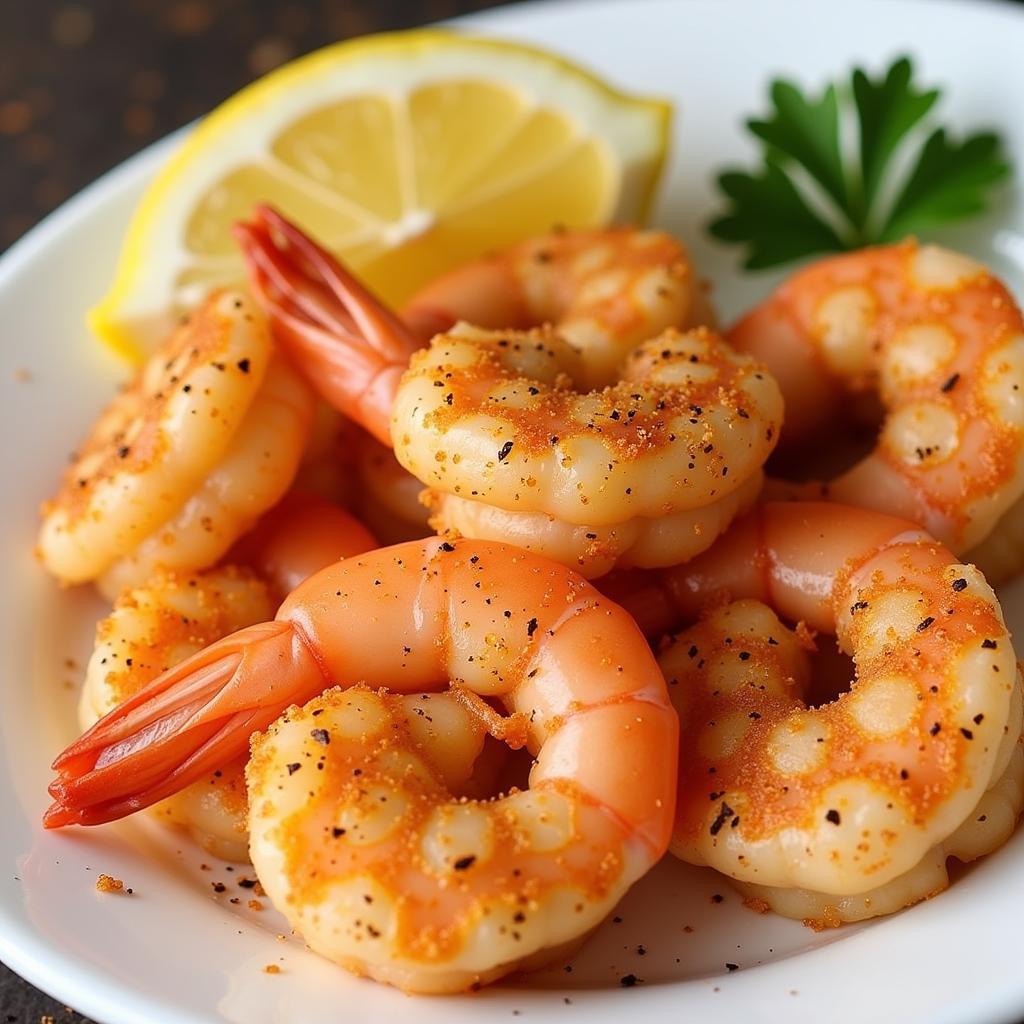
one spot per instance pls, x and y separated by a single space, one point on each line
405 154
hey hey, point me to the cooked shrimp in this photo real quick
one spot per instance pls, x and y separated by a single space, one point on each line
388 494
461 892
186 458
604 291
646 472
540 463
845 797
172 616
253 475
941 342
989 825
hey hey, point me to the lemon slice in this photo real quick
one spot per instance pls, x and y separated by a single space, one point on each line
404 153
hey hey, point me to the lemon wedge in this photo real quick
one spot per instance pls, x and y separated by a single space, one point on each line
404 153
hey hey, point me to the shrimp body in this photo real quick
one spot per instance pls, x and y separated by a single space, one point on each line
845 797
989 825
207 437
570 669
604 291
646 471
940 341
173 615
253 475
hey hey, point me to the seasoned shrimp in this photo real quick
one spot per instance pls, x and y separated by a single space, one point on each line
173 615
254 473
940 341
490 421
460 891
646 472
845 797
604 291
184 460
152 628
989 825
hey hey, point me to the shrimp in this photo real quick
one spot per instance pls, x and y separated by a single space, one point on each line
460 891
155 626
845 797
940 342
389 497
647 472
509 449
604 291
207 437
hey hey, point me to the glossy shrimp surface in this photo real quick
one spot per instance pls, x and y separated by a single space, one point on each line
940 341
646 472
847 796
572 675
155 626
185 459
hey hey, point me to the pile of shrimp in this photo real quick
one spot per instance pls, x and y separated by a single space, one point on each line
628 603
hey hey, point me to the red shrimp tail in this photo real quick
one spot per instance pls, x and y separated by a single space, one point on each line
345 340
184 725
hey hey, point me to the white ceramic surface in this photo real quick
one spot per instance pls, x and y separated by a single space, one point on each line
175 950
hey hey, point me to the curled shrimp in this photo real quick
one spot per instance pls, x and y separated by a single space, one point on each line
646 471
940 342
183 461
845 797
605 291
173 615
461 892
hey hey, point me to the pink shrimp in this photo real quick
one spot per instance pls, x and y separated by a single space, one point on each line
608 438
847 797
154 626
570 668
938 341
605 290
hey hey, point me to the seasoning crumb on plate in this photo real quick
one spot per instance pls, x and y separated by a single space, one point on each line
107 883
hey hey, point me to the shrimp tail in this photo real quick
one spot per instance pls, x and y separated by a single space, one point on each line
187 723
350 346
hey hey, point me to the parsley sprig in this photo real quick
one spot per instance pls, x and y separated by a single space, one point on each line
812 196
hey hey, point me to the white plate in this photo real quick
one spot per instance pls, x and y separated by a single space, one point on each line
175 951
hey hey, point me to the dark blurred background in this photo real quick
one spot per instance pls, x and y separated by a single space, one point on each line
84 85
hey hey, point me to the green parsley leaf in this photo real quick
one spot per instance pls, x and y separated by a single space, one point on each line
950 182
811 197
769 214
